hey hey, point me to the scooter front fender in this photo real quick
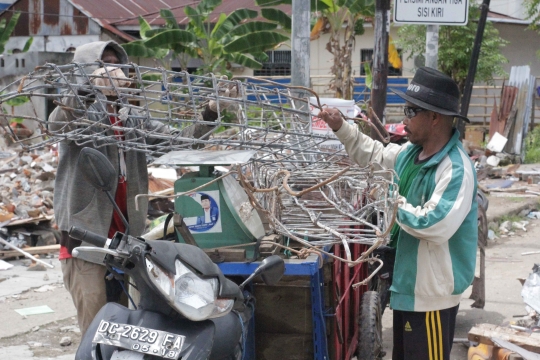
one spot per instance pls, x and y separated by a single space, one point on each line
197 346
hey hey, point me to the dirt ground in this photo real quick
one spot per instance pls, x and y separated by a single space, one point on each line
44 341
38 337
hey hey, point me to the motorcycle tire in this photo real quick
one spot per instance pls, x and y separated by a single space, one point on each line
370 343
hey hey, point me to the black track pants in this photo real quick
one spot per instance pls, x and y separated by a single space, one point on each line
424 335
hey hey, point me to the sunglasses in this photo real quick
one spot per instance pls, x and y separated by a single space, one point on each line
411 112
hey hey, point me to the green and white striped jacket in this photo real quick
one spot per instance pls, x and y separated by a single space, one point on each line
436 248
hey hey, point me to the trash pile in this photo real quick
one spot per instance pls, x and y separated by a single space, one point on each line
26 185
504 151
521 180
509 123
531 297
26 197
521 338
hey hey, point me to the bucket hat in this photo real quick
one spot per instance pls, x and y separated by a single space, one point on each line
432 90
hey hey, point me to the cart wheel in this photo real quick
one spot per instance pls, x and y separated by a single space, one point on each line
370 337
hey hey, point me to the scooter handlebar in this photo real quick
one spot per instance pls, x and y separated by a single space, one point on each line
87 236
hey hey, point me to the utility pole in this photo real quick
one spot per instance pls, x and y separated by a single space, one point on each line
432 46
467 91
380 63
300 70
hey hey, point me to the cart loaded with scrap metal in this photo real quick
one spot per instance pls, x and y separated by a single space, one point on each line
259 182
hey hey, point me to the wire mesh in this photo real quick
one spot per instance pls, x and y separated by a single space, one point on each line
300 179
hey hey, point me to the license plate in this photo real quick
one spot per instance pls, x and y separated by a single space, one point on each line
140 339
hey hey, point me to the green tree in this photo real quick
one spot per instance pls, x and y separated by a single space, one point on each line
532 9
234 38
6 28
344 19
455 48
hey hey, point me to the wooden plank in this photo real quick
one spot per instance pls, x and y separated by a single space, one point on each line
35 220
228 255
482 333
6 254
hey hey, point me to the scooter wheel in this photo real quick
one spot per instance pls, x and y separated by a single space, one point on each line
370 344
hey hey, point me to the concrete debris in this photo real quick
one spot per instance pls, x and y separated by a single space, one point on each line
35 328
36 267
505 227
27 184
520 225
44 288
65 341
72 328
26 198
34 344
5 265
523 213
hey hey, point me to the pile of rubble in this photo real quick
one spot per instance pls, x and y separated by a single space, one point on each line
27 185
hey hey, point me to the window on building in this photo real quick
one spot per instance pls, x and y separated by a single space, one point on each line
278 64
366 55
135 33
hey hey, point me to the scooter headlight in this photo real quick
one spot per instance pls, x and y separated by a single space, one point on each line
193 296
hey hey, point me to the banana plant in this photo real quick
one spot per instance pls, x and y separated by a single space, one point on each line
234 38
13 102
166 47
6 28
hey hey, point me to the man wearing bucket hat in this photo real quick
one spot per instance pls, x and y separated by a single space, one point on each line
436 232
76 203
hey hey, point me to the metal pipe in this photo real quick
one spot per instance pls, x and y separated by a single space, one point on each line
469 82
11 246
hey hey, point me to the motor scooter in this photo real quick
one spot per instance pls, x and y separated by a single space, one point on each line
188 309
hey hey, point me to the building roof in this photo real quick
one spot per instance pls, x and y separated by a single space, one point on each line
125 13
119 15
502 18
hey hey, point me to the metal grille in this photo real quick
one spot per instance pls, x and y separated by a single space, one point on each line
307 188
278 64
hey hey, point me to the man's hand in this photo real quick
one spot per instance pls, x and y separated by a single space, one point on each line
332 117
224 90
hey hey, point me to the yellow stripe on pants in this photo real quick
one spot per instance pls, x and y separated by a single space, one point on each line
428 333
434 335
440 334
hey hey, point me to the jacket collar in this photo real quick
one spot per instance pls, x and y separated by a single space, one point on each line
439 156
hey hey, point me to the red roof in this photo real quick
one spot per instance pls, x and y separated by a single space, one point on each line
126 12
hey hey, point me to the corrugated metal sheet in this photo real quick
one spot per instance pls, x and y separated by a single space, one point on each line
50 18
523 81
126 12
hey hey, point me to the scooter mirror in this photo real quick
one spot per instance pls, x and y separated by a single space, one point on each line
273 268
96 169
